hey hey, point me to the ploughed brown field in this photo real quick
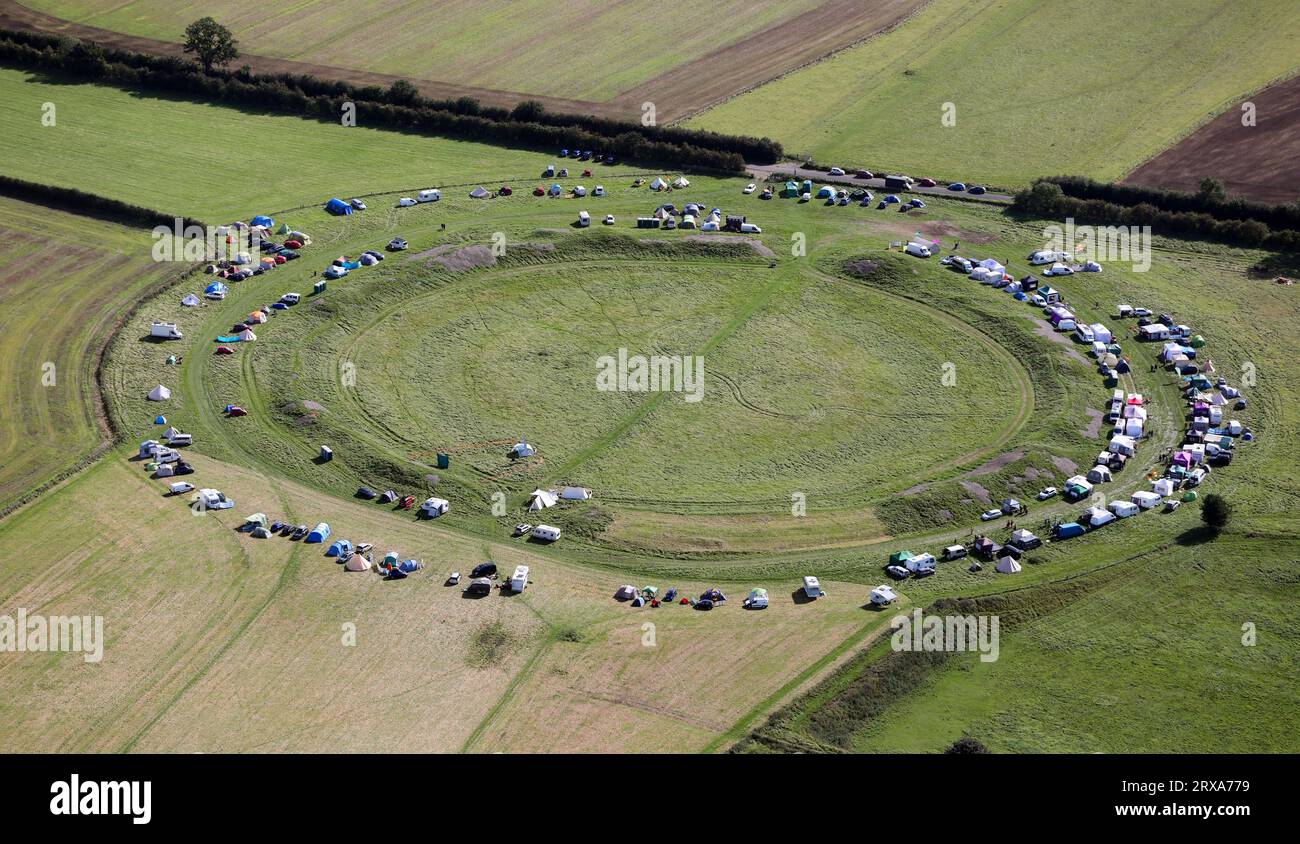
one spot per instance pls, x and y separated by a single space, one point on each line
1258 162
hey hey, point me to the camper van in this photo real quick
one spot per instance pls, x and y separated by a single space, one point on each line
1046 257
920 250
811 587
165 330
433 507
432 195
883 595
750 228
519 580
546 533
584 219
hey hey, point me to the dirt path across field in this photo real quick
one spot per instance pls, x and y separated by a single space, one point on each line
1257 162
678 93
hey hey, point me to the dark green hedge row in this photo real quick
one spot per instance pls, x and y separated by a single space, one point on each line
89 204
399 107
1047 199
1279 216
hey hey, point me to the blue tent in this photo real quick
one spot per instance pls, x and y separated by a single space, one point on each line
556 190
338 207
160 420
340 548
825 192
409 566
320 533
263 220
215 287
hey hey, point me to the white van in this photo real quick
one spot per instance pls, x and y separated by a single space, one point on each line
1046 257
291 298
166 330
405 201
750 228
180 487
920 250
811 587
584 219
519 580
546 533
431 195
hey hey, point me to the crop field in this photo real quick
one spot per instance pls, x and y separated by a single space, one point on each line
215 163
63 281
893 398
606 58
1037 87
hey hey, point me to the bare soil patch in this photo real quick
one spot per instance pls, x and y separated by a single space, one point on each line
1257 162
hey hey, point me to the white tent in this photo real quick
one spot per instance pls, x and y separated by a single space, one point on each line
247 335
191 301
1008 565
357 563
1163 487
575 493
681 182
1121 444
523 449
1101 333
990 264
1099 474
541 499
160 393
658 184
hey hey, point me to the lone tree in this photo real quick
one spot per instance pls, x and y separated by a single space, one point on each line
211 42
402 92
1213 189
1215 512
966 744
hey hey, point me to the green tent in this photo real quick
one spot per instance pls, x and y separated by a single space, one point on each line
1197 342
1190 495
900 557
284 229
256 518
791 189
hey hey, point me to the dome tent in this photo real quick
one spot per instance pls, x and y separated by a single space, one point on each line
160 393
338 207
263 220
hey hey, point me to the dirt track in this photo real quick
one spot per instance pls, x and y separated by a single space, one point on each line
683 91
1258 162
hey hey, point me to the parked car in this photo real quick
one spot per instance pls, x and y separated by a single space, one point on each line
978 189
405 201
358 205
299 532
1141 312
837 171
1046 493
927 183
609 219
990 515
897 572
749 188
1058 269
397 244
865 174
521 529
959 186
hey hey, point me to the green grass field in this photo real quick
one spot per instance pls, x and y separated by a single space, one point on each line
1039 88
824 375
218 164
584 50
64 281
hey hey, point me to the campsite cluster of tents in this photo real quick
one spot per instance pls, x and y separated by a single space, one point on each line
709 598
1208 440
354 558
